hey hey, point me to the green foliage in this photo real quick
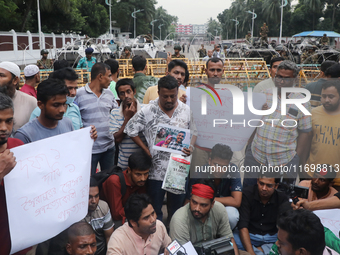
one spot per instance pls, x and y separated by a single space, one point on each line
8 19
214 25
303 17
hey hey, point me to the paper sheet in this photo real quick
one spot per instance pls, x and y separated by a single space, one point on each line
48 190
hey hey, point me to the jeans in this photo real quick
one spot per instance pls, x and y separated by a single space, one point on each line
105 159
233 216
157 194
250 178
257 241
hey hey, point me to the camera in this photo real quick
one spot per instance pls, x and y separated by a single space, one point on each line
293 191
219 246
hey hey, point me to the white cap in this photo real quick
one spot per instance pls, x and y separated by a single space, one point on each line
31 70
11 67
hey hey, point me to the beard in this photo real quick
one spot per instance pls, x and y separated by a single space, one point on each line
8 89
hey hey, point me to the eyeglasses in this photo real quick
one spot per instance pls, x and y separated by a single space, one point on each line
280 79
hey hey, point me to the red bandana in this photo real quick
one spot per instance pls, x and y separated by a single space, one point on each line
202 190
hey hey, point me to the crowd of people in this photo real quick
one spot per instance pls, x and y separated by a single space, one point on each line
125 212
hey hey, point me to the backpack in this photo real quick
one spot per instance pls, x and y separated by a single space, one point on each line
101 177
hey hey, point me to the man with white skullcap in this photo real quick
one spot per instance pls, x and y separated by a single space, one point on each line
23 103
32 79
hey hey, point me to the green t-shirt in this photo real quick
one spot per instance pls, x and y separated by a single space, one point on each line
112 87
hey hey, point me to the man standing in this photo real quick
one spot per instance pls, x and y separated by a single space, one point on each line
119 118
269 83
142 233
81 239
177 54
141 81
248 37
202 219
7 163
214 70
258 214
23 103
209 56
325 119
99 217
177 69
218 53
202 52
264 34
88 61
114 65
32 79
167 109
44 62
127 53
134 176
51 101
70 78
320 187
227 185
95 102
316 87
274 144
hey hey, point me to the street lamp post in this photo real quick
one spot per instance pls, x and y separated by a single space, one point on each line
109 4
160 31
284 3
39 25
252 22
236 23
134 21
151 23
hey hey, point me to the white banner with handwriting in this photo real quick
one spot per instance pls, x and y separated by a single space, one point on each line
48 190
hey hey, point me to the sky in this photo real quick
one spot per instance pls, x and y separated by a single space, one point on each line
194 11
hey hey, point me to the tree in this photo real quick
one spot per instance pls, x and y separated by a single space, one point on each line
214 25
166 19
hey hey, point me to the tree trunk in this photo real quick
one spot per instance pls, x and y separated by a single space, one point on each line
333 16
27 12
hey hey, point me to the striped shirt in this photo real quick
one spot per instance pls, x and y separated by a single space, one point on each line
95 111
127 146
100 220
275 144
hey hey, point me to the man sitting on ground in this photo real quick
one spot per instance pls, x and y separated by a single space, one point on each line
142 233
99 217
81 239
301 232
258 214
135 177
228 185
202 219
320 187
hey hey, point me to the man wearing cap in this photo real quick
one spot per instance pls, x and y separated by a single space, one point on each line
44 62
23 103
202 219
320 187
127 53
248 37
32 79
202 51
177 54
88 61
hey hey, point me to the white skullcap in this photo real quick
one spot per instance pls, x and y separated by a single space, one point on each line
11 67
31 70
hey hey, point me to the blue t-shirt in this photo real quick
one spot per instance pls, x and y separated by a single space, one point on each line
34 131
72 112
226 186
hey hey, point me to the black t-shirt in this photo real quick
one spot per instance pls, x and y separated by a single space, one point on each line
337 195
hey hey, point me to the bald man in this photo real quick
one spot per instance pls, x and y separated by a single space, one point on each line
81 239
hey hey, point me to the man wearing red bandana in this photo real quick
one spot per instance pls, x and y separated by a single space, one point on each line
202 219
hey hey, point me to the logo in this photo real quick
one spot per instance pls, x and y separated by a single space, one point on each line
238 100
212 89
